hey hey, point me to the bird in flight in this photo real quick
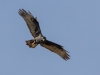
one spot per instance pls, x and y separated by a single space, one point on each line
35 30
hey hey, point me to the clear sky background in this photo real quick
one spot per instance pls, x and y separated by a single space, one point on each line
75 24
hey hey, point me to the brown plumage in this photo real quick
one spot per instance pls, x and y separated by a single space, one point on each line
34 28
31 22
56 48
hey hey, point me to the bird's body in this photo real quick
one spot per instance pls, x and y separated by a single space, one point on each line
34 28
39 38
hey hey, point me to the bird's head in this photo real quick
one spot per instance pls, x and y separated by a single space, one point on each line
44 39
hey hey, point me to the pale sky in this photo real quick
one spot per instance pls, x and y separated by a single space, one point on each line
74 24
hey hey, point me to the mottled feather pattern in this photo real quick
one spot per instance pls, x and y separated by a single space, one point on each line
56 48
34 28
31 22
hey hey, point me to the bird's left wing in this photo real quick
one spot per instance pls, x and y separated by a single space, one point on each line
31 22
56 48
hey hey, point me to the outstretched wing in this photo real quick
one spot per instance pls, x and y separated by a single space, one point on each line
56 49
31 22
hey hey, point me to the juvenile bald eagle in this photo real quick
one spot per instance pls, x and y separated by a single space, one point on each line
34 28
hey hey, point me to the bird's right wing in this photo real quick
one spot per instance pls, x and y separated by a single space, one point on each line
56 48
31 22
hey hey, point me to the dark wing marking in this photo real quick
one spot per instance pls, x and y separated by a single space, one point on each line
56 49
31 22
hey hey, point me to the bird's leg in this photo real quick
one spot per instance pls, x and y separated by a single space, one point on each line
31 43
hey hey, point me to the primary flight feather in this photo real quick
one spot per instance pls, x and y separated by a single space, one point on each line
35 30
